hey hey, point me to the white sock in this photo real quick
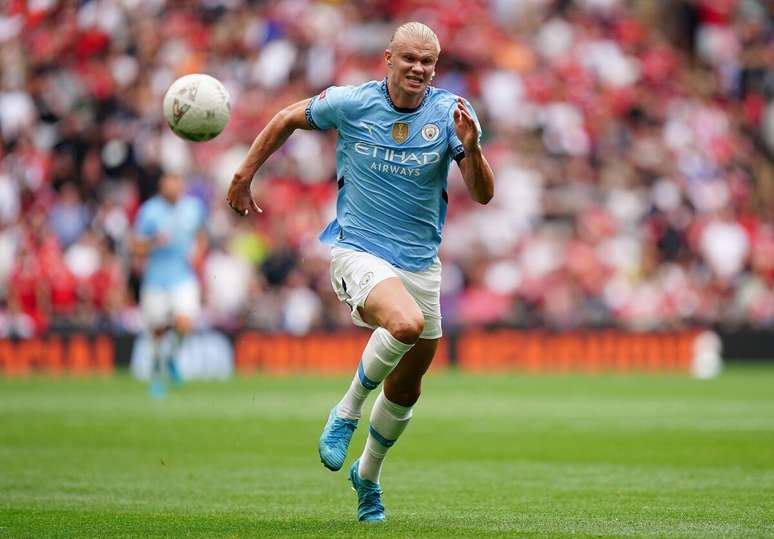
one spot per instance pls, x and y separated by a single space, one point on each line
380 356
352 404
388 421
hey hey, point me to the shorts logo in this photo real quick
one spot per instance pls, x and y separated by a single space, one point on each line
366 279
430 132
400 132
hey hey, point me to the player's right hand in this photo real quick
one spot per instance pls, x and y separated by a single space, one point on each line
161 239
240 198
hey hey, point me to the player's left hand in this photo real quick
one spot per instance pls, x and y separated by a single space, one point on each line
465 126
240 198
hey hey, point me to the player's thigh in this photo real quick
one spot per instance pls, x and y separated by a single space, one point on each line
186 305
425 288
388 303
372 288
404 383
156 307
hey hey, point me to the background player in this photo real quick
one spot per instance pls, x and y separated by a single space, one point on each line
169 231
396 140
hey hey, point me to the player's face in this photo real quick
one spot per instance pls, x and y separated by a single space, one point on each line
171 186
411 65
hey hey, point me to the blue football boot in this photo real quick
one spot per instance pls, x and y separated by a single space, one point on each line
369 496
334 441
157 389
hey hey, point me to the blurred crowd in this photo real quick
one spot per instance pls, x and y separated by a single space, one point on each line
632 144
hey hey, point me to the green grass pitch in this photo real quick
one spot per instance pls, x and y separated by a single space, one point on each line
485 456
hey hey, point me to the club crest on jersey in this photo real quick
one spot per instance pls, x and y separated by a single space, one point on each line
400 132
430 132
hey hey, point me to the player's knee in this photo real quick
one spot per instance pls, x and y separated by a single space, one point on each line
404 396
406 329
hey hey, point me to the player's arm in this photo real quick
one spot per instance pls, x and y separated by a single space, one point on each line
266 143
199 250
478 175
141 245
146 235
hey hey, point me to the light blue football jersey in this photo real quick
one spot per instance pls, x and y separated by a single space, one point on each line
169 264
392 166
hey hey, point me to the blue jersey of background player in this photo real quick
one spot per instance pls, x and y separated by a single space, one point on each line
392 166
396 139
171 225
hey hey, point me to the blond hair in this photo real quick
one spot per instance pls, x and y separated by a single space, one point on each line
418 31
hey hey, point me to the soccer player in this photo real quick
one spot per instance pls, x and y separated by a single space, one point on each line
169 232
396 140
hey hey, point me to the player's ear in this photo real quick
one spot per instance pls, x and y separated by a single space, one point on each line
388 57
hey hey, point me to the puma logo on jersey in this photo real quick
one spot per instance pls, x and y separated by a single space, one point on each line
368 126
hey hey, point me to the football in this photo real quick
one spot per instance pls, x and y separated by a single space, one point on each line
197 107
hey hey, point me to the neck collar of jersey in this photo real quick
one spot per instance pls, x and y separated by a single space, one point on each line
386 93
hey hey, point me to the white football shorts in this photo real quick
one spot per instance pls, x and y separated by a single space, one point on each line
354 274
162 306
